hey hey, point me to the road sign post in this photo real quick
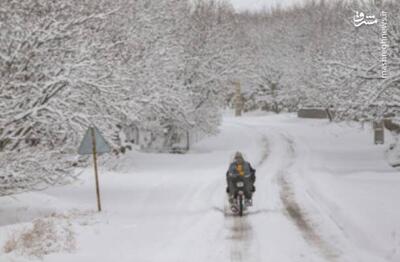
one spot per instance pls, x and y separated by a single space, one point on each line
96 174
94 143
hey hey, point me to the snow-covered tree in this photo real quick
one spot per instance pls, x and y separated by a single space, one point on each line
214 51
159 65
53 85
322 59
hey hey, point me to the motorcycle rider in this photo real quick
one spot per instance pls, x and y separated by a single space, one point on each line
240 168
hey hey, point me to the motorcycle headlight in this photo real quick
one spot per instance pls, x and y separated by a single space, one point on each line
240 184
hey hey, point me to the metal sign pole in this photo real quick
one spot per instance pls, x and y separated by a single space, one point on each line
94 143
95 169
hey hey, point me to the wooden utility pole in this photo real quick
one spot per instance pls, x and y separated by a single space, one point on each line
95 169
238 100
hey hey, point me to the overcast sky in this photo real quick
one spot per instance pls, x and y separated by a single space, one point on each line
259 4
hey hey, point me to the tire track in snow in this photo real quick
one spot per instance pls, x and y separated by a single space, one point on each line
244 246
265 153
294 210
241 238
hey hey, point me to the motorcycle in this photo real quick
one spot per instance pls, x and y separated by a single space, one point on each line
239 203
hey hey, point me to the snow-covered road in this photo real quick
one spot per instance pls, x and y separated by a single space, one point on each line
324 193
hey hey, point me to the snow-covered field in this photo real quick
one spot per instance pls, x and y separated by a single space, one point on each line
324 193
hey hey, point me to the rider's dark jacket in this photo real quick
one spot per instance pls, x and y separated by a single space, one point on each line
241 170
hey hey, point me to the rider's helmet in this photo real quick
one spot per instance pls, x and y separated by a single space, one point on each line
239 157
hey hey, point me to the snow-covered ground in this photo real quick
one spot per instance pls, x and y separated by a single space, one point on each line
324 193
